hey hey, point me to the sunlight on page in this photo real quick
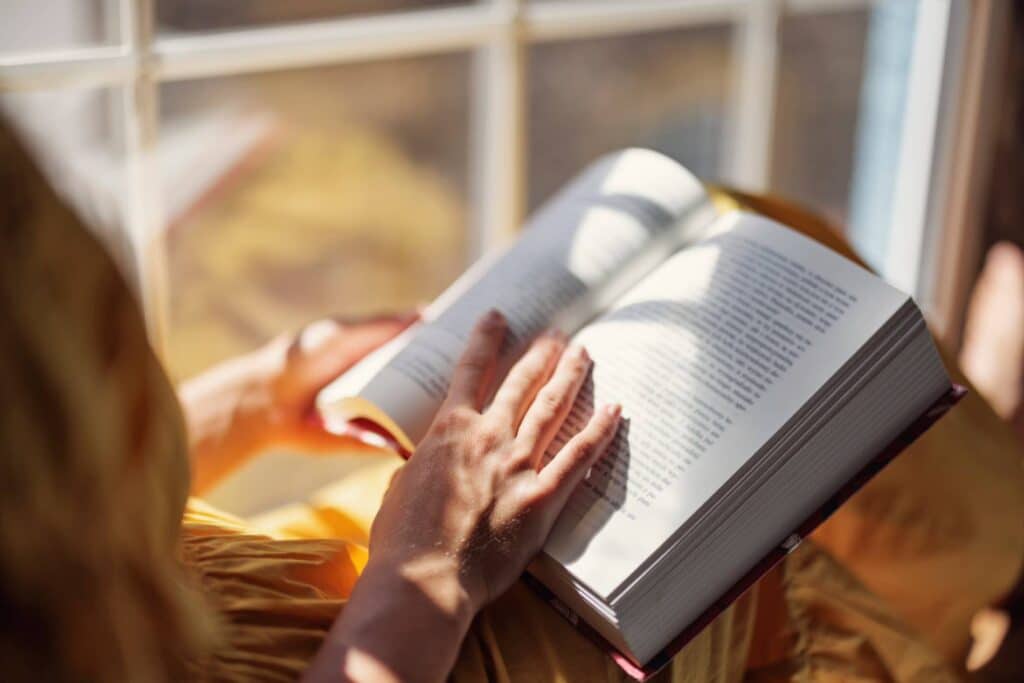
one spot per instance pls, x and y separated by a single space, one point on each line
594 249
584 248
708 355
630 346
647 174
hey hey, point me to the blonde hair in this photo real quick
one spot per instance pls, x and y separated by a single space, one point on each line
93 472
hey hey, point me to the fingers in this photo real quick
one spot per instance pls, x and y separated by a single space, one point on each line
560 476
526 378
326 348
322 351
474 373
553 403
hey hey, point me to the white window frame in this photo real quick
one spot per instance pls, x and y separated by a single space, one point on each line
497 32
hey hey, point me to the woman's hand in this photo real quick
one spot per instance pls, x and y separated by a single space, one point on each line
472 507
475 494
263 399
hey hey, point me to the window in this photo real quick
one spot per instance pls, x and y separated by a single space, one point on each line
276 161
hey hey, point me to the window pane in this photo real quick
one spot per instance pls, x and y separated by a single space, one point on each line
665 90
821 67
307 193
203 15
41 25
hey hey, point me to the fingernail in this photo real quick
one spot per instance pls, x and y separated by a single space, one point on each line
494 318
579 351
612 410
555 333
316 334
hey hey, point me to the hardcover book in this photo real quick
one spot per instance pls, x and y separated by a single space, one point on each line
763 378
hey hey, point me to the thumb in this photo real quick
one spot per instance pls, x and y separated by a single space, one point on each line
327 348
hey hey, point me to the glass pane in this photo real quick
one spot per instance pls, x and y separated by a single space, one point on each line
75 137
821 69
880 126
203 15
665 90
301 194
42 25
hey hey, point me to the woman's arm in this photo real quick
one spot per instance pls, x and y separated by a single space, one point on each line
261 399
462 519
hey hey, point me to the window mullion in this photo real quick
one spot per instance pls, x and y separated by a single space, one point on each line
79 67
498 141
142 210
581 19
752 119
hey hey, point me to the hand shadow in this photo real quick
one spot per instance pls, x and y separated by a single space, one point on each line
603 491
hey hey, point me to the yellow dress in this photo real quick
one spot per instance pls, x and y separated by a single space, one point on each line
109 573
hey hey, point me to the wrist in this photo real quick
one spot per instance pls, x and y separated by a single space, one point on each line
225 416
405 621
434 576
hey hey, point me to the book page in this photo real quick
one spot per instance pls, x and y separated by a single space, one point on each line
709 356
589 243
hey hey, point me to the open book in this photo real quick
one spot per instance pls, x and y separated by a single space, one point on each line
761 375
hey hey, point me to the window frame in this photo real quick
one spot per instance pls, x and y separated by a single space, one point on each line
498 33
